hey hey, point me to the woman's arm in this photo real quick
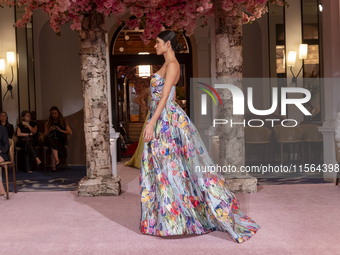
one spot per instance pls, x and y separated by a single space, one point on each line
21 134
138 100
5 142
32 129
46 129
171 71
68 131
35 129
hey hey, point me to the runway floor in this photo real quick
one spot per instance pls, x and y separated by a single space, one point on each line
293 219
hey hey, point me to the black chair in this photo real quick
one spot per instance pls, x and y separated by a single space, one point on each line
9 163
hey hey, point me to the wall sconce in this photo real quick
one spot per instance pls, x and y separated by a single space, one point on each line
292 58
11 63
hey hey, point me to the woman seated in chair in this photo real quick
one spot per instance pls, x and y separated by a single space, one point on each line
25 132
4 146
4 122
55 130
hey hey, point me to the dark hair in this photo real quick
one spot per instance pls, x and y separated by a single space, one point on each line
6 124
60 119
168 35
23 113
33 115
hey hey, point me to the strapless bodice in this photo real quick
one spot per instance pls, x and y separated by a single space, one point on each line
156 87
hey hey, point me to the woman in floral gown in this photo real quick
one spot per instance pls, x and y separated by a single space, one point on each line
136 159
175 199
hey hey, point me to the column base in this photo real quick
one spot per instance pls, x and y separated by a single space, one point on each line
100 186
242 185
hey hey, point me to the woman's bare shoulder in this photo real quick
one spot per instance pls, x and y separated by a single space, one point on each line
174 66
173 63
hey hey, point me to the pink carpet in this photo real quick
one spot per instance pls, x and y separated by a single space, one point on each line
294 219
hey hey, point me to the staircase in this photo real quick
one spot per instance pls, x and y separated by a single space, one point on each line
135 129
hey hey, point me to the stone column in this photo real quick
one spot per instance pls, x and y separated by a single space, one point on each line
331 50
99 180
229 69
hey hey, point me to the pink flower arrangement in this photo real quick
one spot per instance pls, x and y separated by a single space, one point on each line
154 15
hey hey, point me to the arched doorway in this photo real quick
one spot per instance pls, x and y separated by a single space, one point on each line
128 55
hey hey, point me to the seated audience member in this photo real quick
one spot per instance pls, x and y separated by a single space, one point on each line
36 136
4 122
4 147
25 132
55 129
33 116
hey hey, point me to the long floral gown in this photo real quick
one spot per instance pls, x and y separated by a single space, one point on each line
175 199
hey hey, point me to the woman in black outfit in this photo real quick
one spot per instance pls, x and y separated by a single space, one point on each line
4 147
4 122
55 130
25 132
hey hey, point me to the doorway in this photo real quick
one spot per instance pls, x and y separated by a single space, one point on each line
128 56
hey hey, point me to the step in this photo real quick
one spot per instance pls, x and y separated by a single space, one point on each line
135 129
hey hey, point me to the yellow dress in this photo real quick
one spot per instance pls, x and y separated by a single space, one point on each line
136 159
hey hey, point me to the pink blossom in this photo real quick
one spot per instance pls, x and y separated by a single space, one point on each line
173 14
200 9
